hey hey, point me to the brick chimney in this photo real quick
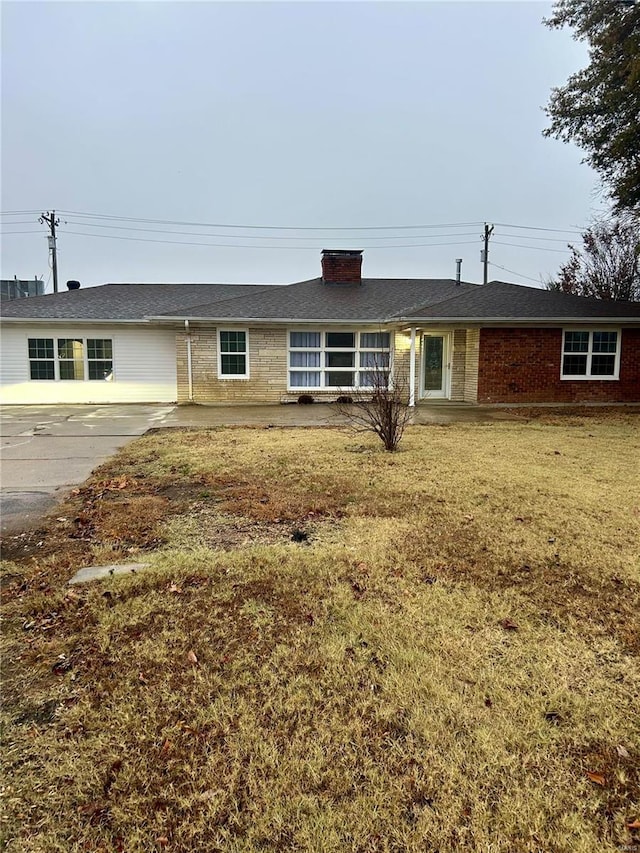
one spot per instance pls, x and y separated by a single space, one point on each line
341 266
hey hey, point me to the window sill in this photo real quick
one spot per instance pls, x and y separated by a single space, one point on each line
589 378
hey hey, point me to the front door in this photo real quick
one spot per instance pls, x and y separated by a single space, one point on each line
435 366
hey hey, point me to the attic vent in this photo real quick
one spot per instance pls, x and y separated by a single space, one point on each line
73 285
342 266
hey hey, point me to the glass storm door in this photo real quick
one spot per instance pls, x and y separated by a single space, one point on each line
435 367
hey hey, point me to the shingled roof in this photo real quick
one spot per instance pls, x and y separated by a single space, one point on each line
373 300
122 301
500 300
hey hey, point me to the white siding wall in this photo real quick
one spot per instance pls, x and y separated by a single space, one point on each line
144 366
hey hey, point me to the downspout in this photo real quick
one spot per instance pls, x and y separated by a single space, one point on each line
187 332
412 369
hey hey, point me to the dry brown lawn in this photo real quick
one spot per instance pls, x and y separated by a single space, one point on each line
333 648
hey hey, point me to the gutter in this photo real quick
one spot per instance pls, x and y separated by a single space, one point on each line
520 321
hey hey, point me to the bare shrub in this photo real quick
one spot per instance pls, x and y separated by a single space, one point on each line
382 407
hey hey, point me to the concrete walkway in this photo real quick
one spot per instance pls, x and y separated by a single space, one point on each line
317 414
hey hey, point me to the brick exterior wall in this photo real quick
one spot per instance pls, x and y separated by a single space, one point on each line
523 366
342 267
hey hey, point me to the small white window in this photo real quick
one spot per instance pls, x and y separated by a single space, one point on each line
233 354
590 354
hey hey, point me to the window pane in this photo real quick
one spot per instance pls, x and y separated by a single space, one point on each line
71 369
574 365
340 339
374 340
304 379
99 348
576 341
433 363
374 360
307 340
304 359
605 341
40 347
70 348
233 342
42 369
340 359
339 379
603 365
101 370
233 365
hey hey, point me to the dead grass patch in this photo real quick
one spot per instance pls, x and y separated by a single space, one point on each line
448 661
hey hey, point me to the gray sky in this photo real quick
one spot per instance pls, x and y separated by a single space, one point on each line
325 115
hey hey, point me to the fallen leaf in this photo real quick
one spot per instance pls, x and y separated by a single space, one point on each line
174 588
192 657
635 824
622 752
166 746
162 840
141 678
508 625
598 778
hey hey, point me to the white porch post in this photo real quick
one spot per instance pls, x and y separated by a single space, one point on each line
412 368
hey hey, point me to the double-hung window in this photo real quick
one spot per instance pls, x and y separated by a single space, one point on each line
337 359
590 354
70 358
233 354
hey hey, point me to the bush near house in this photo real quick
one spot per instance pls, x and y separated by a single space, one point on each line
334 648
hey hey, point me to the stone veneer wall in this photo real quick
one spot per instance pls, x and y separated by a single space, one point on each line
267 381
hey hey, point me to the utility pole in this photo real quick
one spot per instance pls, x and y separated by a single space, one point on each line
484 253
51 221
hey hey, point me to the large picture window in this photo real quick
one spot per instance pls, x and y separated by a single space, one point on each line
333 360
590 354
233 354
70 359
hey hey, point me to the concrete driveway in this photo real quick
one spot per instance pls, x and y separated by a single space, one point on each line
49 449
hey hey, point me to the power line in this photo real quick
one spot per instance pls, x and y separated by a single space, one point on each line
9 233
235 246
536 248
513 272
267 237
528 237
534 228
268 227
18 212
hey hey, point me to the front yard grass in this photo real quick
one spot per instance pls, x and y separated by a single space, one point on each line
333 648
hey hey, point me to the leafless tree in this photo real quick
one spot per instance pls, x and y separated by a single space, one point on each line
608 264
381 407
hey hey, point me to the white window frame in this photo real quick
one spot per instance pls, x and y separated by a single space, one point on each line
85 357
225 376
588 377
323 349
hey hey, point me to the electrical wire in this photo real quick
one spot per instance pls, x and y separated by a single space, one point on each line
254 236
534 228
537 248
513 272
17 212
234 246
32 231
266 227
